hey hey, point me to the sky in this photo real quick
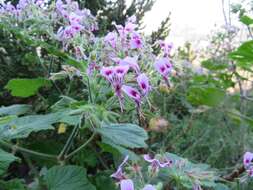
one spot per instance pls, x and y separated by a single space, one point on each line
192 20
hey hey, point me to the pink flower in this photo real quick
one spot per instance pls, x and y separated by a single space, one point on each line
76 27
166 47
91 67
126 184
247 159
124 31
156 164
143 82
131 62
149 187
132 93
107 72
250 171
74 18
121 30
115 75
132 19
130 27
119 175
22 4
135 41
164 67
111 38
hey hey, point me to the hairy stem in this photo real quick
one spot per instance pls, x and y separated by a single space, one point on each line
24 150
70 139
80 147
89 90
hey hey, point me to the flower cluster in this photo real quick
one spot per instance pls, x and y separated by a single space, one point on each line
66 18
75 19
128 37
248 164
163 65
125 183
165 47
127 42
157 163
115 75
9 9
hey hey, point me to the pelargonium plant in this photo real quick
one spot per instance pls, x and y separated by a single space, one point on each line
148 173
122 57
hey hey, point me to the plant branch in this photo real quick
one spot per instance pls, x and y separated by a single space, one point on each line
236 173
24 150
80 147
70 139
89 90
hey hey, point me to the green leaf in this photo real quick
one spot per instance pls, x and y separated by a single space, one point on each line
209 96
17 109
221 186
128 135
6 159
67 178
122 150
7 119
103 181
214 66
244 53
26 87
238 117
23 126
246 20
14 184
63 103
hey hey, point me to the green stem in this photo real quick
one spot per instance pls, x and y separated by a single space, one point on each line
24 150
80 147
89 90
69 87
69 141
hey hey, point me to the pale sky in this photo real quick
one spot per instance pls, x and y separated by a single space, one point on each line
191 20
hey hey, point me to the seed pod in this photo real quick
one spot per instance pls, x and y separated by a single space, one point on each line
158 125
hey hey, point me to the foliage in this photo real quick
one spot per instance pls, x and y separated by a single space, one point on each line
83 99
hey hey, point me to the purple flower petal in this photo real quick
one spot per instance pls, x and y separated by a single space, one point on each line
166 47
130 27
121 70
107 72
143 82
149 187
124 161
132 93
111 38
163 66
131 62
250 171
148 158
247 158
126 184
155 163
135 41
132 19
119 173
